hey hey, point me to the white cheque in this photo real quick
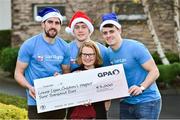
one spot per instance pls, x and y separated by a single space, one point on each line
80 88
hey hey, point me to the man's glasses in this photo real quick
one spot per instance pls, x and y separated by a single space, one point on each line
88 55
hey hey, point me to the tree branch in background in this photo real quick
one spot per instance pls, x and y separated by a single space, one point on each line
153 33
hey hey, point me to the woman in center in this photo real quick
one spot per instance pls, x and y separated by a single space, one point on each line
88 58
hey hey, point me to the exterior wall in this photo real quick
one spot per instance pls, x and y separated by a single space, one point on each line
23 23
164 23
24 26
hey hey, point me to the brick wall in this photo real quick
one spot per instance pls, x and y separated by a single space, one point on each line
162 13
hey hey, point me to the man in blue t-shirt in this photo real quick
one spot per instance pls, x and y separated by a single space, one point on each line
81 28
40 56
140 70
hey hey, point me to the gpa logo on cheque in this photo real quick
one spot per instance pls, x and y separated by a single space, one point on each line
106 86
108 73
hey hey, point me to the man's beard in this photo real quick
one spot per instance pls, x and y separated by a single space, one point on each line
48 34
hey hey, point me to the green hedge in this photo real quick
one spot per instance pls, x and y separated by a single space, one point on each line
172 57
168 73
5 38
12 112
8 59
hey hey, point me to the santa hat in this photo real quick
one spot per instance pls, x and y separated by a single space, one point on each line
110 18
79 16
48 12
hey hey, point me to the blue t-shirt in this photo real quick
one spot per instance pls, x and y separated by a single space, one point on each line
132 54
74 52
43 59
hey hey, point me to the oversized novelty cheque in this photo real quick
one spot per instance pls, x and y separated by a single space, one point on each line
80 88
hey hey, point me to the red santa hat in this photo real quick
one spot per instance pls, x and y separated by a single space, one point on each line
79 16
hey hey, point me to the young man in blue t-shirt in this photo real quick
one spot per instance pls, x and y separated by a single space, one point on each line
81 28
40 56
140 70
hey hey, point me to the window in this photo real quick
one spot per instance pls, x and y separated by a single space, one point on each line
128 11
60 7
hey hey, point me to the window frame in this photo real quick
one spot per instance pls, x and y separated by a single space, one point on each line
35 9
128 17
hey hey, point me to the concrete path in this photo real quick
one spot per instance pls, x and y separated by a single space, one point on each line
11 88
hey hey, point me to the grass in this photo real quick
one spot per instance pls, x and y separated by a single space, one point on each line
13 100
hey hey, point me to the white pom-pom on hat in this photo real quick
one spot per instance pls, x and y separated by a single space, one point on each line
38 18
68 30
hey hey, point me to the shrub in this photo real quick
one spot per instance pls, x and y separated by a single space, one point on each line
156 58
5 38
8 59
172 57
168 73
12 112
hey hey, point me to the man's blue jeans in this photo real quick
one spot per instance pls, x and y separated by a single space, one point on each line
147 110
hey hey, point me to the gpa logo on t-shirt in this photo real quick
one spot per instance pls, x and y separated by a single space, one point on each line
40 58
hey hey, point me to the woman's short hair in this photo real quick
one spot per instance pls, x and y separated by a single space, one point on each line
90 44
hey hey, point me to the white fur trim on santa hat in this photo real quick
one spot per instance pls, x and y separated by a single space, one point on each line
68 30
110 22
87 22
49 15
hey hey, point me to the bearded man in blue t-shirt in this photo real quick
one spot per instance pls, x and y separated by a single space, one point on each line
40 56
140 69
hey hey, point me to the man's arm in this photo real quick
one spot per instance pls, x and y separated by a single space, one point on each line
153 74
20 78
65 69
